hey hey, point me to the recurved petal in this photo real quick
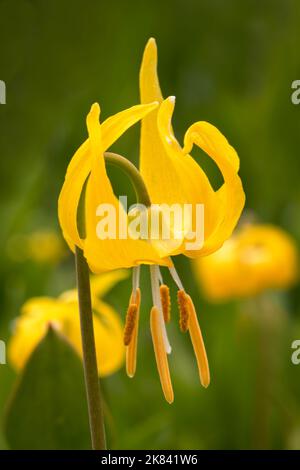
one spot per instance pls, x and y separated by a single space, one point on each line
112 249
149 83
69 197
77 173
80 166
173 177
114 126
231 196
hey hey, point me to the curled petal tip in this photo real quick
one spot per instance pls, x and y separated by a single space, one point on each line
152 41
172 99
94 111
95 108
151 49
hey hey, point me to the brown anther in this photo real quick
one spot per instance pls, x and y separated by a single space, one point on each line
165 302
131 349
130 323
183 310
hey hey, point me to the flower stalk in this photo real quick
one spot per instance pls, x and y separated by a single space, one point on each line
92 384
133 174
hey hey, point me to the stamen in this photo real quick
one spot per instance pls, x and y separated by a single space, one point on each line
131 349
130 323
183 305
176 278
157 303
198 344
165 302
160 355
135 279
160 278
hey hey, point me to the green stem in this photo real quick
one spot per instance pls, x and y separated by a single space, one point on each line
134 175
92 383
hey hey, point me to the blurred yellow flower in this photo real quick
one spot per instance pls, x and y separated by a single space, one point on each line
62 313
256 258
45 246
42 246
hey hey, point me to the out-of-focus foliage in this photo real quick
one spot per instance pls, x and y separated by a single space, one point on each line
228 62
48 409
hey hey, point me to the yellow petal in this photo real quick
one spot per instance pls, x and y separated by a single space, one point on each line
80 166
77 173
108 331
149 83
112 252
63 315
173 177
114 126
100 285
30 327
109 339
231 194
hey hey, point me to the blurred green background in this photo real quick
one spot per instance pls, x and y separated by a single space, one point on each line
228 62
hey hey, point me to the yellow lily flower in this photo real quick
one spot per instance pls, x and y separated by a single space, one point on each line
172 176
61 312
256 258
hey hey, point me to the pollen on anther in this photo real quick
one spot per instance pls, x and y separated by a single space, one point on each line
183 310
165 302
130 323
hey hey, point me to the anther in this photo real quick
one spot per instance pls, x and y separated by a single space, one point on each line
130 323
165 302
131 349
183 310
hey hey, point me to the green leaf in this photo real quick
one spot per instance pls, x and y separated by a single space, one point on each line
48 409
